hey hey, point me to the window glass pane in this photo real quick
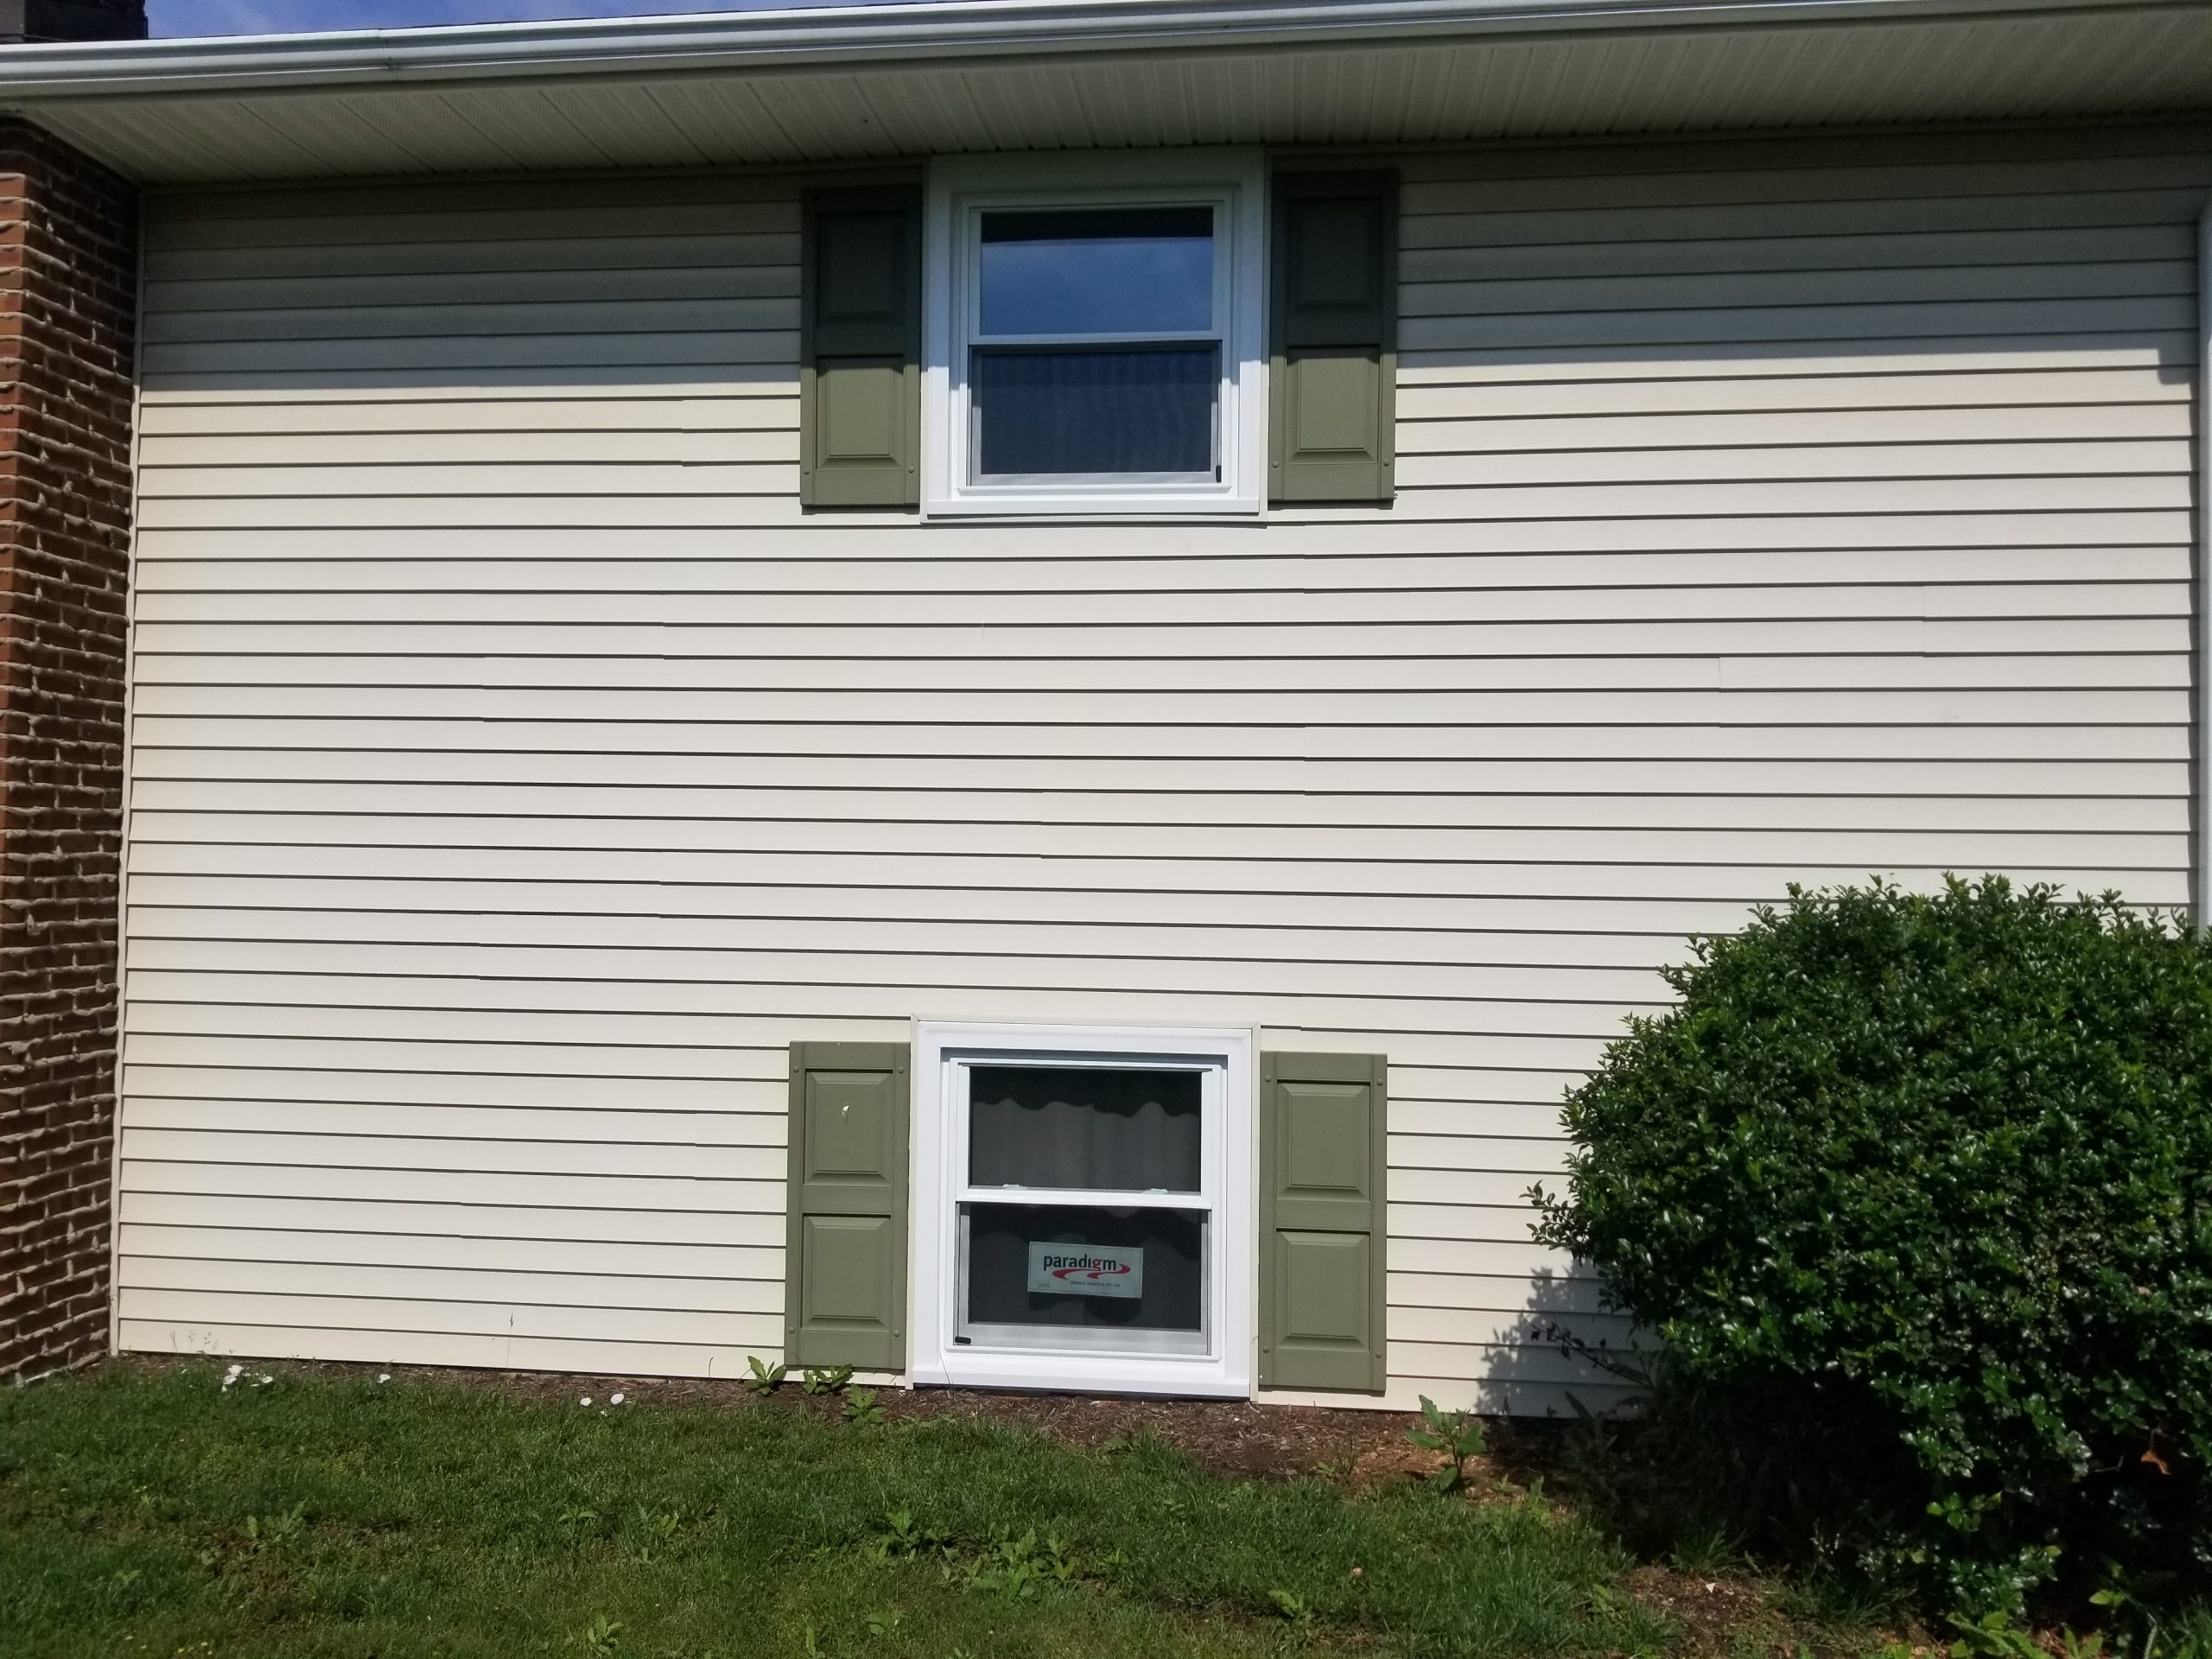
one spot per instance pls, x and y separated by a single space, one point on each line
1093 271
1046 412
1058 1125
1137 1269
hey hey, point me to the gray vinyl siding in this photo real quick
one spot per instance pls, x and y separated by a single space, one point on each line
517 772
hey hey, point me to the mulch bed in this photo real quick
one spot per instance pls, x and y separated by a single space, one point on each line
1232 1437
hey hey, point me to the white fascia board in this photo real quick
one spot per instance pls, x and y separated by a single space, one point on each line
856 37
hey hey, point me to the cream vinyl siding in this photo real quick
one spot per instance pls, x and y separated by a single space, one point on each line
517 772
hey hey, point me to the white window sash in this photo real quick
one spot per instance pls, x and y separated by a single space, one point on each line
1078 1198
1218 1360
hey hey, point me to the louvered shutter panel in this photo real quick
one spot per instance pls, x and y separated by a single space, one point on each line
845 1273
861 347
1321 1221
1333 320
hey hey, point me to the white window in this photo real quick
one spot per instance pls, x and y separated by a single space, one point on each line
1094 336
1082 1209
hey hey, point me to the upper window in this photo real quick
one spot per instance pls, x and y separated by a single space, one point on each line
1097 349
1094 347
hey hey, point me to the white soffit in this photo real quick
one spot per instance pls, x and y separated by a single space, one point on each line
907 80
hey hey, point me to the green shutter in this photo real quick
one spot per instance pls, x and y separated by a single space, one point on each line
1321 1221
1333 371
861 347
845 1274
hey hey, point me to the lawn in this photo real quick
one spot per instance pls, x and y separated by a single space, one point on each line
151 1511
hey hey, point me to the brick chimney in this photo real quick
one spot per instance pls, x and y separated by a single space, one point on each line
68 316
35 20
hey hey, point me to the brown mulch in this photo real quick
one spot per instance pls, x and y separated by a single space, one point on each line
1714 1612
1232 1437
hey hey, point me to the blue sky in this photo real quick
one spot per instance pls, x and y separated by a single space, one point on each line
291 17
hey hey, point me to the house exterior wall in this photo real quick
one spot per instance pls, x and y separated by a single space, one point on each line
517 770
68 295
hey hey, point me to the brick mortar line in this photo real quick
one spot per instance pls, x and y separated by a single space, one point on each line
68 314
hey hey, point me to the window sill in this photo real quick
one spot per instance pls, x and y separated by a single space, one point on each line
1158 1375
1093 507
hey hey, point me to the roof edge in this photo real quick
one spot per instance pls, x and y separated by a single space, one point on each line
859 37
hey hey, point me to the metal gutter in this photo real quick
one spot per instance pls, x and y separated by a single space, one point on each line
859 37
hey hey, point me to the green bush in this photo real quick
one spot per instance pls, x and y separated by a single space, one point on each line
1917 1192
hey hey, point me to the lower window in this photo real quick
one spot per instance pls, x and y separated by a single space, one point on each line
1082 1211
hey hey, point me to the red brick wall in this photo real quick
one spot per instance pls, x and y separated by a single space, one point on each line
68 305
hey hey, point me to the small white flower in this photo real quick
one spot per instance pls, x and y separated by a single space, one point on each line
613 1399
585 1401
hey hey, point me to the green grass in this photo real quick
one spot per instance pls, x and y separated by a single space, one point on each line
150 1511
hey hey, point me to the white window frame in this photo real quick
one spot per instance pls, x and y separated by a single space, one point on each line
1225 1366
961 190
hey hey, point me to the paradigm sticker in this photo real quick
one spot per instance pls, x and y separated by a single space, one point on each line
1084 1270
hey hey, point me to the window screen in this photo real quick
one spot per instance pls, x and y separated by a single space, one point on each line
1062 1127
1098 271
1096 351
1167 1247
1085 1207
